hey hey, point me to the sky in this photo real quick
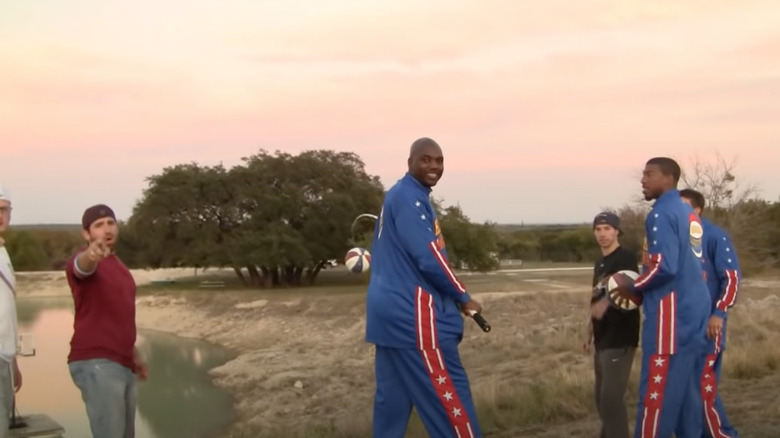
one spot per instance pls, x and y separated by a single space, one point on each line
546 110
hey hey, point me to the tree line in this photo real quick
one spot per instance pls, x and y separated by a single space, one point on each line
42 248
752 222
278 219
754 226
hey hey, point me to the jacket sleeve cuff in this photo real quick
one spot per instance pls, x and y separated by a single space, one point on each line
718 312
464 298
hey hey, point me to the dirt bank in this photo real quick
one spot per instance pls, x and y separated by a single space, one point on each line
302 359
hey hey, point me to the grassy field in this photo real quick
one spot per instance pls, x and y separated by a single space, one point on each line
529 375
335 281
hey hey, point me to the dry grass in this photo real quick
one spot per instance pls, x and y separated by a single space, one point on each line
529 376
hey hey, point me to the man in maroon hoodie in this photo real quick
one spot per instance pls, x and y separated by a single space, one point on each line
103 360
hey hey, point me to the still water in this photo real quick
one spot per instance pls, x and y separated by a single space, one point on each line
177 401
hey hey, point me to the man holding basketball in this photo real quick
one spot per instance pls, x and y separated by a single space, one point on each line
614 332
722 273
103 360
413 311
676 306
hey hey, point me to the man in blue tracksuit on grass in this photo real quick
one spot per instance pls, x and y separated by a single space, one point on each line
413 311
676 306
722 273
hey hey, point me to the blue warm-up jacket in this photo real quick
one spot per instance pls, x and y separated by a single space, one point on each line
722 272
676 301
413 293
721 266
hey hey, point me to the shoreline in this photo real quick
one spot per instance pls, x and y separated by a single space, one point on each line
158 312
301 360
149 316
277 377
281 372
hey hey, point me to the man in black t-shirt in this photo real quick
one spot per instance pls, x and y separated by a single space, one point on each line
613 332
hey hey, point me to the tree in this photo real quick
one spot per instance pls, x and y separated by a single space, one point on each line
754 224
275 219
42 248
469 245
632 225
27 253
183 218
574 245
58 245
734 206
717 181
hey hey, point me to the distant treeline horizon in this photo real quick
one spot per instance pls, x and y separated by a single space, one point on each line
505 226
282 217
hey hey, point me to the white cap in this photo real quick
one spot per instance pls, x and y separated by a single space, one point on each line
4 195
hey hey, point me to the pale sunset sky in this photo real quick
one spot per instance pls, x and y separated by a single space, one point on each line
546 110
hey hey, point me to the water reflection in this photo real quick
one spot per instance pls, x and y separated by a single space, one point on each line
177 401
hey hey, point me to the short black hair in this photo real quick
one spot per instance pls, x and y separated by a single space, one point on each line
696 198
668 167
420 143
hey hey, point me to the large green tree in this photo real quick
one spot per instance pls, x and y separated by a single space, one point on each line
275 219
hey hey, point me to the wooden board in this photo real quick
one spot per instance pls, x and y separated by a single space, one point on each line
38 425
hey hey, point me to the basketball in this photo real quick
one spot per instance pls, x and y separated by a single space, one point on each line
358 260
618 300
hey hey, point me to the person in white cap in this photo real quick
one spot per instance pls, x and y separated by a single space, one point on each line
10 376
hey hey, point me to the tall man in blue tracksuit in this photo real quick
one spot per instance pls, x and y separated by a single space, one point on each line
414 307
722 273
676 307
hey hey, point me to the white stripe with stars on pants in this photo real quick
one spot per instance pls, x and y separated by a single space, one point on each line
430 378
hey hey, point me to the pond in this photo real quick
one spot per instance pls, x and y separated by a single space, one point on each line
178 400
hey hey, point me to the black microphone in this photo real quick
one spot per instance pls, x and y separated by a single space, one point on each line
480 320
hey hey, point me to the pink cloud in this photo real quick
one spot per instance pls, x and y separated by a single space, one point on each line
119 90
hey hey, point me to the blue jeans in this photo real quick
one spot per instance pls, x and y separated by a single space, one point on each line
108 391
